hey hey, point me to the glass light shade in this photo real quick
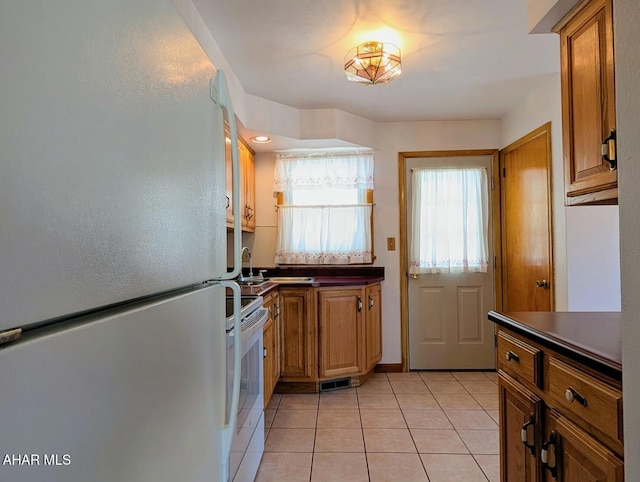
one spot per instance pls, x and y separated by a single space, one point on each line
373 63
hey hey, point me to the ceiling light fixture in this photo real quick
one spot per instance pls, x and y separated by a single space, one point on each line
261 139
373 63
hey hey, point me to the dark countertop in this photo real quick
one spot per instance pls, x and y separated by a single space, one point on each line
591 338
324 278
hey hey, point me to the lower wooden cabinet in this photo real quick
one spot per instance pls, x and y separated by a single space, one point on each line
298 335
563 424
328 333
521 431
340 323
271 342
572 455
373 326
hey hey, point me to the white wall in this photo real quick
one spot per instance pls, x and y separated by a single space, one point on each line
627 38
593 258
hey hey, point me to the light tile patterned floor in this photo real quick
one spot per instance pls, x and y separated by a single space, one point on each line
417 426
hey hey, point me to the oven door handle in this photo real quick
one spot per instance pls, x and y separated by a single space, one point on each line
229 428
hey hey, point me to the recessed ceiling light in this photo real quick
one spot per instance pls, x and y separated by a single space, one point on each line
261 139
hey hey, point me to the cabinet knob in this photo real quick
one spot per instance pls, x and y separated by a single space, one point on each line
512 356
572 394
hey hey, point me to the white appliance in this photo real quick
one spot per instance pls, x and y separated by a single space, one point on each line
113 246
247 443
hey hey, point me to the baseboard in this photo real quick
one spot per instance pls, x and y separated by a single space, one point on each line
388 368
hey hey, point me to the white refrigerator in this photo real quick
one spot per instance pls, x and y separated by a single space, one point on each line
112 245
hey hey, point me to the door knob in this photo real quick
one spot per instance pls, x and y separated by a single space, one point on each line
542 283
414 276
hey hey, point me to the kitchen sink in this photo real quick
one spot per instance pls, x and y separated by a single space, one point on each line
292 279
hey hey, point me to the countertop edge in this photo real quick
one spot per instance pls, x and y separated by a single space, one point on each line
580 354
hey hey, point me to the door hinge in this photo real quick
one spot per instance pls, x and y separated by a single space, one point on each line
493 187
504 172
10 335
495 340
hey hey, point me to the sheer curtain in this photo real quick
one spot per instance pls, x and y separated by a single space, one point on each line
324 218
449 221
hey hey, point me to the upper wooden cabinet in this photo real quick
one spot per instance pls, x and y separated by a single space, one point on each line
228 175
247 183
588 103
248 170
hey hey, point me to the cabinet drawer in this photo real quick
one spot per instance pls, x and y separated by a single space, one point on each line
519 359
588 398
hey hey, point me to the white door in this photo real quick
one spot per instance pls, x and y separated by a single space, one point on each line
448 325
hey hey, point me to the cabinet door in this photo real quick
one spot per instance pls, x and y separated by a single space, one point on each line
228 175
269 357
248 187
341 332
520 431
588 103
298 339
276 338
577 456
373 326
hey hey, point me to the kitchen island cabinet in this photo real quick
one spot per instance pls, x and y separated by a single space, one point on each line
560 396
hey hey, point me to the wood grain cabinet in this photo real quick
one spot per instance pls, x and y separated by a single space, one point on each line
271 341
559 420
373 326
248 168
327 333
247 183
341 330
588 103
298 335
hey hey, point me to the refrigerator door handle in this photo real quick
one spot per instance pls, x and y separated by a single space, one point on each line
219 91
229 428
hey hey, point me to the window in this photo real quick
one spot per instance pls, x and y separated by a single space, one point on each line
325 212
449 221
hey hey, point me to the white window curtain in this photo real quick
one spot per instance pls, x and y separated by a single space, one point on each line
324 218
449 221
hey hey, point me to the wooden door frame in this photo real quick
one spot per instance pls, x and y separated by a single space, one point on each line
404 268
544 129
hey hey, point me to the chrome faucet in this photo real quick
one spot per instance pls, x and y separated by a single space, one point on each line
248 251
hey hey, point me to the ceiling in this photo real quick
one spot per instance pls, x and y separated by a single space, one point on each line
461 59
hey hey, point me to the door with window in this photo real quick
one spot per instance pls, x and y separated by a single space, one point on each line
450 257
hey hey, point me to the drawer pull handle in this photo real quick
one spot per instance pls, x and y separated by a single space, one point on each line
549 446
572 394
524 435
512 356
